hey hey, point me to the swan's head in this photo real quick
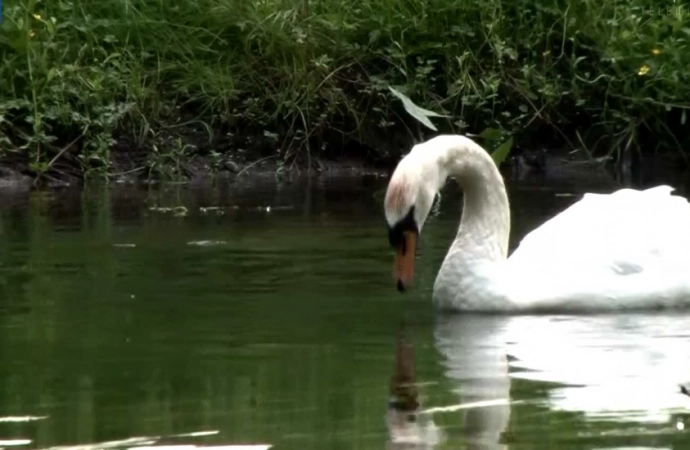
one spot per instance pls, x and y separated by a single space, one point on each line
409 197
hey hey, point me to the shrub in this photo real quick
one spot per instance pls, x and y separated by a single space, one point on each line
76 74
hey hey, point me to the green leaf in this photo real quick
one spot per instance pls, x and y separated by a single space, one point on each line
421 114
493 134
502 151
51 74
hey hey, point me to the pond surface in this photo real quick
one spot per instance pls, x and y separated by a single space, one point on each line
273 320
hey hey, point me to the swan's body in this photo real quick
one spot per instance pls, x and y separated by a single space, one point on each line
625 250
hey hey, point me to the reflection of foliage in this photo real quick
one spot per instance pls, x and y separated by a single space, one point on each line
114 342
165 337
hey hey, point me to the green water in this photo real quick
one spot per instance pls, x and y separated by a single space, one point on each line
279 327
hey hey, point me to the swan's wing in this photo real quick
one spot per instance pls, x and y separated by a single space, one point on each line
626 232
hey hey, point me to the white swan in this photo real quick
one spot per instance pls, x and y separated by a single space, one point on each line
626 250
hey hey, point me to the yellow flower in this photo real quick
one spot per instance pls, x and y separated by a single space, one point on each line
32 33
643 70
656 51
37 16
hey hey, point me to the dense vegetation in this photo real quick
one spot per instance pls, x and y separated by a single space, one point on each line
86 82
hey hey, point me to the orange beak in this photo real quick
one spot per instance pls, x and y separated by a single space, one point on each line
403 269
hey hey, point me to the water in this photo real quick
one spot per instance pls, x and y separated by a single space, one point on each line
126 326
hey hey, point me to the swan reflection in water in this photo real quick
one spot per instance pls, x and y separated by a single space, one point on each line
615 368
475 363
408 427
479 371
623 367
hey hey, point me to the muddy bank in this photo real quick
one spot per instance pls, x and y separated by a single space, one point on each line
192 152
189 156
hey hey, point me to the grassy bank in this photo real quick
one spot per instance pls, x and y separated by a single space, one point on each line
88 84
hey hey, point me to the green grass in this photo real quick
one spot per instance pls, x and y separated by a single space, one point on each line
78 73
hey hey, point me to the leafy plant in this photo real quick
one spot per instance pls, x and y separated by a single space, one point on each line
78 76
421 114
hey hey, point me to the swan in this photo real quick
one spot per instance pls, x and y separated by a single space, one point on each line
620 251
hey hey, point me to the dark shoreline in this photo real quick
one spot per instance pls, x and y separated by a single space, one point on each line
256 157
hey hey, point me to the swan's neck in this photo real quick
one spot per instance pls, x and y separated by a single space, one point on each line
469 271
485 225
